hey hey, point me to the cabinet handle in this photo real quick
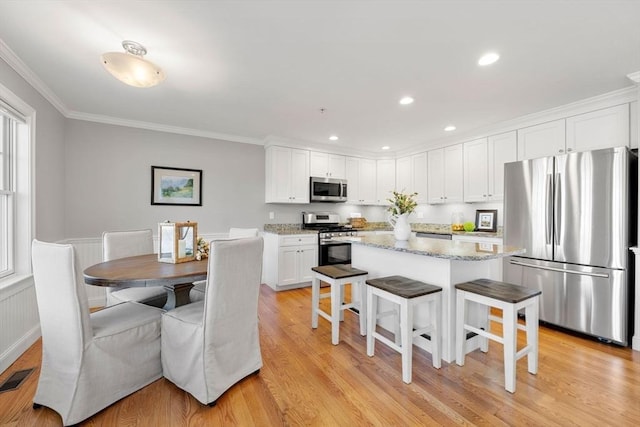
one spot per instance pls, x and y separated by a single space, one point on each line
484 195
569 149
561 150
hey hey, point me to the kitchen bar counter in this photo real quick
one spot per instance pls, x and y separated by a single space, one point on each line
438 262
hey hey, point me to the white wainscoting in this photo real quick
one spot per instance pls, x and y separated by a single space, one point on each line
19 322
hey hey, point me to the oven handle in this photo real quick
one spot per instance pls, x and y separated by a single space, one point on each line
334 243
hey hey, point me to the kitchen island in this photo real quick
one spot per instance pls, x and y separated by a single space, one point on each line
438 262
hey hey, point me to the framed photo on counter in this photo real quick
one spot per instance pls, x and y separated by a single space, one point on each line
487 220
174 186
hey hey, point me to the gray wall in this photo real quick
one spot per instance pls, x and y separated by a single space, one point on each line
49 157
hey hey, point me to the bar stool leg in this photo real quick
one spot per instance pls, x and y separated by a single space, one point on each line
371 320
336 303
406 338
315 301
486 324
509 342
362 290
436 316
460 331
531 319
341 300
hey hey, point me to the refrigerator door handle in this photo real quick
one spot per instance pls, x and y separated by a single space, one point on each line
560 270
557 210
549 212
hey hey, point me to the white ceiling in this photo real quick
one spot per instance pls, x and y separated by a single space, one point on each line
250 70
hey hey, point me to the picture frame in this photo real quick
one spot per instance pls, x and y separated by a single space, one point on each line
176 186
487 220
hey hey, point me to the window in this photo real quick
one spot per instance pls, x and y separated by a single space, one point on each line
15 185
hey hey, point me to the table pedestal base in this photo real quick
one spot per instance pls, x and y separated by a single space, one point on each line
177 295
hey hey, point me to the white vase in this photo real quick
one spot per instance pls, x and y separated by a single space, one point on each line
401 227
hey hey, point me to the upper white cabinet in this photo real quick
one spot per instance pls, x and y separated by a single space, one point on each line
608 127
411 176
286 175
546 139
604 128
361 181
327 165
386 180
484 161
445 172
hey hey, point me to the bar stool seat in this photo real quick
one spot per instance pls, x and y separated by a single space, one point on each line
509 298
337 276
407 293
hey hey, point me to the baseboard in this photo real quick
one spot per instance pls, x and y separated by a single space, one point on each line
18 348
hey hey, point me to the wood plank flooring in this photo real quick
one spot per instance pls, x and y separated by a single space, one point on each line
307 381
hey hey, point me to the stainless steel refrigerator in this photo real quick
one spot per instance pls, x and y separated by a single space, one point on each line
575 215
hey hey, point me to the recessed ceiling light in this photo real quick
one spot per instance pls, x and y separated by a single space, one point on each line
488 59
386 147
406 100
450 128
333 137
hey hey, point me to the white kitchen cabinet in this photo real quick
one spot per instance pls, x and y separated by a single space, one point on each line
411 176
604 128
484 161
385 180
288 260
327 165
546 139
445 172
286 175
361 181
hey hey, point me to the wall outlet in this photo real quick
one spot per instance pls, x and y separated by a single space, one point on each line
272 215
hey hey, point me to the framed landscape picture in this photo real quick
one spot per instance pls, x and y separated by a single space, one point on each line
174 186
486 220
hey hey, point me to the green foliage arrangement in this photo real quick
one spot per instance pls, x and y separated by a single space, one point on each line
402 203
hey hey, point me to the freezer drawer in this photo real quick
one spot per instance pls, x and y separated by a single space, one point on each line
590 300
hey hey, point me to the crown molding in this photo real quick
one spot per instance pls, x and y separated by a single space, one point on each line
97 118
634 77
25 72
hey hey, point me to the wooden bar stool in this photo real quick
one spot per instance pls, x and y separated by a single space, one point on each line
337 276
407 293
509 298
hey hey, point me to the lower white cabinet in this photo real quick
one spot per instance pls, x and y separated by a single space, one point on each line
288 260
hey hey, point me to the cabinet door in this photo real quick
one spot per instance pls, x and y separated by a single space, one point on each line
501 150
404 175
476 170
604 128
435 173
288 265
307 258
546 139
420 179
386 180
336 165
352 173
278 175
367 188
318 164
299 176
453 174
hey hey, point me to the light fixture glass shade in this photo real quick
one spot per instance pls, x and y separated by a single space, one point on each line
132 68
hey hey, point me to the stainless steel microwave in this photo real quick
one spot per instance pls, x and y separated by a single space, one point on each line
328 189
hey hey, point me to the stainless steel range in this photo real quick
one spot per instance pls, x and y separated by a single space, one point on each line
330 251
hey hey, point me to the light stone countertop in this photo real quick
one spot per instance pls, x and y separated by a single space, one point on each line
437 248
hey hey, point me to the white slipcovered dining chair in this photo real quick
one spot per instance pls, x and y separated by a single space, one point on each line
121 244
210 345
197 292
89 361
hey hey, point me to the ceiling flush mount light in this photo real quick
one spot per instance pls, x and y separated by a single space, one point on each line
406 100
130 67
488 59
333 138
386 147
450 128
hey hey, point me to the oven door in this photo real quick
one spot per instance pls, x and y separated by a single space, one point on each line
334 253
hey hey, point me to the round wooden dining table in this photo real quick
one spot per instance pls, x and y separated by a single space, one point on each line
146 270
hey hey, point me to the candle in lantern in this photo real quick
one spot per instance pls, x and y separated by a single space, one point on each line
182 248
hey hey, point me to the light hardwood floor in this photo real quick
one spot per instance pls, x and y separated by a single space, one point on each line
307 381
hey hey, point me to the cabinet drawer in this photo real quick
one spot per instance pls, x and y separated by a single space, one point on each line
299 239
